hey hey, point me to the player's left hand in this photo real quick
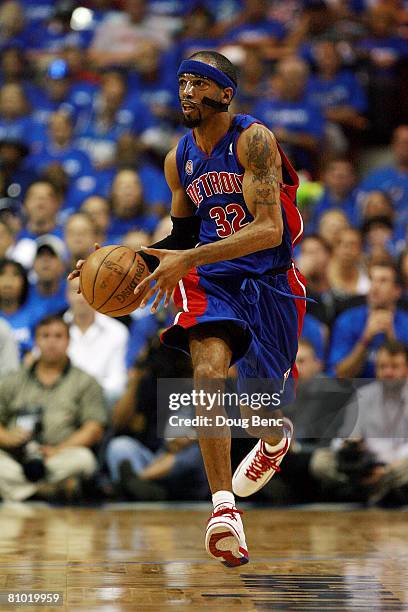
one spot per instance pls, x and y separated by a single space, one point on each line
172 268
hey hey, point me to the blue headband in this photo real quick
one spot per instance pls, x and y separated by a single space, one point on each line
205 70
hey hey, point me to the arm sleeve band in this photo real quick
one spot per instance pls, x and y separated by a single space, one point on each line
184 235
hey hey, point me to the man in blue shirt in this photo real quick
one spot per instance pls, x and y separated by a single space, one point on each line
297 124
392 179
359 331
46 296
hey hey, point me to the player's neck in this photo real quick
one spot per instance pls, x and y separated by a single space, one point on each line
211 131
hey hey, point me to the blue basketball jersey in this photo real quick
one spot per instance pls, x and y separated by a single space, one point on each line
214 185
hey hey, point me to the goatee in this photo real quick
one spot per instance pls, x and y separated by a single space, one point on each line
191 123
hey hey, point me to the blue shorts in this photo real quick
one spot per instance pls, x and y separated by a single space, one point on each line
265 319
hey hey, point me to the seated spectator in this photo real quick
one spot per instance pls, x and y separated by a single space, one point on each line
98 210
369 463
41 207
62 92
383 51
118 38
254 29
63 425
59 148
378 238
392 179
313 262
13 30
128 208
315 332
6 239
359 331
46 295
141 466
251 81
114 112
338 93
332 223
97 344
297 124
339 181
346 273
17 176
9 354
15 69
403 273
196 33
80 237
13 303
15 120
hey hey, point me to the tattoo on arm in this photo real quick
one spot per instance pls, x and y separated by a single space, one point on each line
262 153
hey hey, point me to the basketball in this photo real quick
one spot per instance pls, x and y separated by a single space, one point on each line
108 279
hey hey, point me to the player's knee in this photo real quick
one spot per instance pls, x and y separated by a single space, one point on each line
209 371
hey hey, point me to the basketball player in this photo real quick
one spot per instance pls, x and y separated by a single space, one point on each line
233 194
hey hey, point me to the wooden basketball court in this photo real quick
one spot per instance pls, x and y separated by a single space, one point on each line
151 557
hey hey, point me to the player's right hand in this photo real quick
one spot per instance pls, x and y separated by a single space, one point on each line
75 273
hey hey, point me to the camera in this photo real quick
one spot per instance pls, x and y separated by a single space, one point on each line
30 455
355 460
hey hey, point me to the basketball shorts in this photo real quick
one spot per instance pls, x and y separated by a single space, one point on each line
264 315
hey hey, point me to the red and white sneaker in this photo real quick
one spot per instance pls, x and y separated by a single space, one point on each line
225 538
258 467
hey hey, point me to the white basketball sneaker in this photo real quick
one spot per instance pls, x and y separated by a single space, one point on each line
258 467
225 538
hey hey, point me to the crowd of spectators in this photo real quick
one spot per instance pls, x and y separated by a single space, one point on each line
88 111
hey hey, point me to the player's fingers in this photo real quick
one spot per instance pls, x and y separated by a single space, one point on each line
97 246
144 283
152 251
157 301
147 297
168 297
73 274
79 264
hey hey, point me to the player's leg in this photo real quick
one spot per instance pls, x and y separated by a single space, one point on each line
211 352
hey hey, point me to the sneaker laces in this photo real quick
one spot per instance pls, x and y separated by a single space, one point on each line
259 465
230 511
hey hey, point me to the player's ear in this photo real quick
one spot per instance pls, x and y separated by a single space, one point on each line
227 95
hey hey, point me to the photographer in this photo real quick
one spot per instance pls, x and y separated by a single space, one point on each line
371 465
51 415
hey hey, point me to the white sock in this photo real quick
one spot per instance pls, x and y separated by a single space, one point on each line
223 498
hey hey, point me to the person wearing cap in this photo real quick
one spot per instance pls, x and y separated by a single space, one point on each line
46 294
62 92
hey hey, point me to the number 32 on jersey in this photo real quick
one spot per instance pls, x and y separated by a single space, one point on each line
225 226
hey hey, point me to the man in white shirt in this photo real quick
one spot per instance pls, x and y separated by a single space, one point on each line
371 456
97 344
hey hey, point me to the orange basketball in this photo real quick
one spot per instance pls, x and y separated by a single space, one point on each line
109 277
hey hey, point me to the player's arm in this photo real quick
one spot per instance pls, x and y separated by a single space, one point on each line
258 153
186 225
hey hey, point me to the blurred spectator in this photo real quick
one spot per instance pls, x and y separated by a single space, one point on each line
251 81
16 69
332 223
392 179
316 333
383 51
97 344
371 464
9 355
80 237
339 180
15 121
339 94
46 295
16 176
61 426
6 239
313 262
297 124
98 210
13 31
377 235
175 469
196 34
129 211
403 273
13 302
346 273
254 29
118 39
359 331
62 92
135 239
115 111
59 148
41 207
